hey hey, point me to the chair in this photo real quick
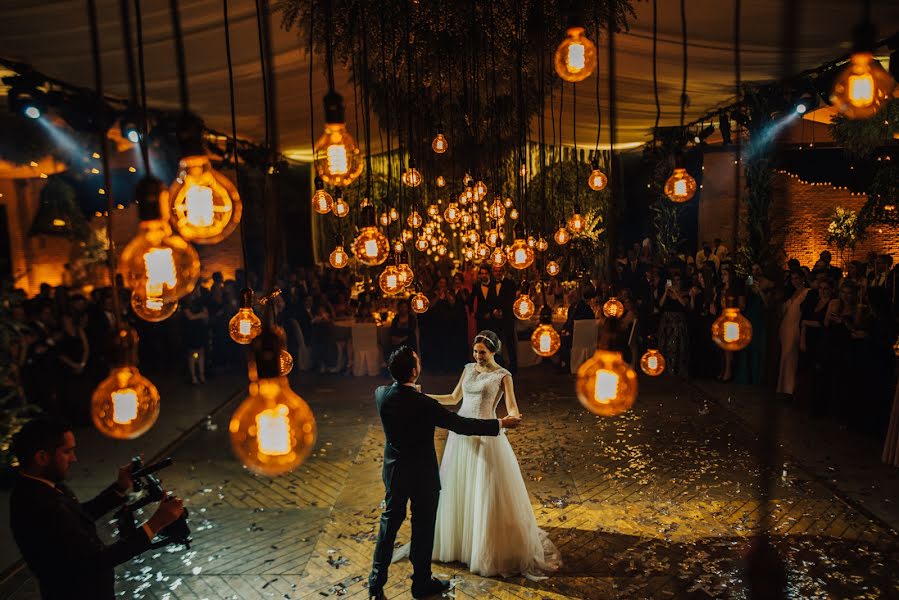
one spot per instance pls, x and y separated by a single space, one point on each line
583 342
366 353
304 354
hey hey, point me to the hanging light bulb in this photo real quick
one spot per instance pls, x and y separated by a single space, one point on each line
371 246
553 268
389 281
532 242
322 202
394 214
452 214
398 246
523 308
577 223
542 244
205 204
421 244
273 430
411 176
497 210
597 179
575 58
125 405
414 220
731 331
545 340
468 253
419 302
507 203
439 145
479 190
606 385
433 210
156 265
244 326
652 363
680 187
339 257
483 251
613 308
441 250
407 275
441 181
285 363
863 86
472 237
341 206
562 236
513 214
520 255
337 158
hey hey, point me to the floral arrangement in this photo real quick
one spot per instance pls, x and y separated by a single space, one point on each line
844 229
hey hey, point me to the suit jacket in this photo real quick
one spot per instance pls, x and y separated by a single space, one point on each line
409 419
506 299
483 306
59 540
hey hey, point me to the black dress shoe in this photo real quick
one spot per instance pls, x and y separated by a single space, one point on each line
378 595
431 588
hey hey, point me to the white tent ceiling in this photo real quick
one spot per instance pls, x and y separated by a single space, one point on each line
53 37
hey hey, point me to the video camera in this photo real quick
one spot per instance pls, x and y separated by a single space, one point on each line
148 489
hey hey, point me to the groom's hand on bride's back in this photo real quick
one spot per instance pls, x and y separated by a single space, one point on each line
510 422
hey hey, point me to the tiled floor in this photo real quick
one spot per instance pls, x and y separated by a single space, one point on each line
657 503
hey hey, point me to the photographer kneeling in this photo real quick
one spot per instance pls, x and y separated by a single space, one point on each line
55 532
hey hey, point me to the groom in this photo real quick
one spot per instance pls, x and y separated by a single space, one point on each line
410 469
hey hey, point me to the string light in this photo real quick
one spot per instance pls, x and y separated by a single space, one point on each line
523 308
205 204
411 176
553 268
341 206
562 236
597 179
576 223
244 326
606 385
613 308
337 158
652 363
339 257
575 58
680 187
439 145
732 331
545 340
441 181
371 247
322 202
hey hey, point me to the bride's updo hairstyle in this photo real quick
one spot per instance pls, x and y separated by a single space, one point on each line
490 340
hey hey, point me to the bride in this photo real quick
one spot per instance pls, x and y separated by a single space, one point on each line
484 518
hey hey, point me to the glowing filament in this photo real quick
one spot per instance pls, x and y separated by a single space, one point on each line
124 406
680 187
576 58
545 342
652 362
59 223
521 256
337 160
199 206
392 281
244 327
861 90
731 332
606 386
371 248
273 431
160 266
154 304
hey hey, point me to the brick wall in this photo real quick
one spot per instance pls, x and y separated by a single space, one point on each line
802 212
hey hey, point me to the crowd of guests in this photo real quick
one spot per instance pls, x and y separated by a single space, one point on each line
821 336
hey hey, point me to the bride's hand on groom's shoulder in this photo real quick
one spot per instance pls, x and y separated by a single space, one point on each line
511 421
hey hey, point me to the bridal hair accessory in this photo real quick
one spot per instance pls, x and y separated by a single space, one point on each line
489 339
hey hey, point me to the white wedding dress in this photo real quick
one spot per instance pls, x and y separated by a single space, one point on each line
484 518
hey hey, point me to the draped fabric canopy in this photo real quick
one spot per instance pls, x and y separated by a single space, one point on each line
53 37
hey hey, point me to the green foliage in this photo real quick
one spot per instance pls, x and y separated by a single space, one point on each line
845 229
883 196
862 137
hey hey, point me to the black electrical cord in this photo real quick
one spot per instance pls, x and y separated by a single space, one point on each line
655 59
132 81
180 62
683 94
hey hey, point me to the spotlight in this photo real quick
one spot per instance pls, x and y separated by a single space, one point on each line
28 104
807 102
32 112
801 108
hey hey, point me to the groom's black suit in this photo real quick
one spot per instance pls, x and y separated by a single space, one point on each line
411 473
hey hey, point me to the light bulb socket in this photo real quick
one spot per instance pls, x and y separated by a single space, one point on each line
524 287
247 298
148 194
404 257
338 240
864 36
267 348
679 160
411 163
440 129
334 109
519 231
189 133
594 164
368 215
546 315
319 184
123 346
652 343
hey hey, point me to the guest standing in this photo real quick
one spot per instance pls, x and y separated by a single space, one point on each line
789 335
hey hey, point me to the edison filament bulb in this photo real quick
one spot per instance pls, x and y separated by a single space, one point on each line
152 309
520 255
553 268
542 244
613 308
371 246
441 181
419 303
125 405
433 210
575 58
389 281
862 87
680 187
606 385
480 190
341 208
562 236
322 202
497 209
411 176
597 180
337 158
439 145
414 220
157 265
244 326
483 251
394 214
577 223
732 331
652 363
523 308
421 244
205 204
452 214
545 340
339 257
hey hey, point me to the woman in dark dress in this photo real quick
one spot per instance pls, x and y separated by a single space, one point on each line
811 333
674 338
196 335
72 352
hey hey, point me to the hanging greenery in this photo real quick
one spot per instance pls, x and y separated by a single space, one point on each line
862 137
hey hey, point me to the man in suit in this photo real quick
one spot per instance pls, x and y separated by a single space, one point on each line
410 470
55 533
506 293
484 301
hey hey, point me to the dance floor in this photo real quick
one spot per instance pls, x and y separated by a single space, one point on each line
657 503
